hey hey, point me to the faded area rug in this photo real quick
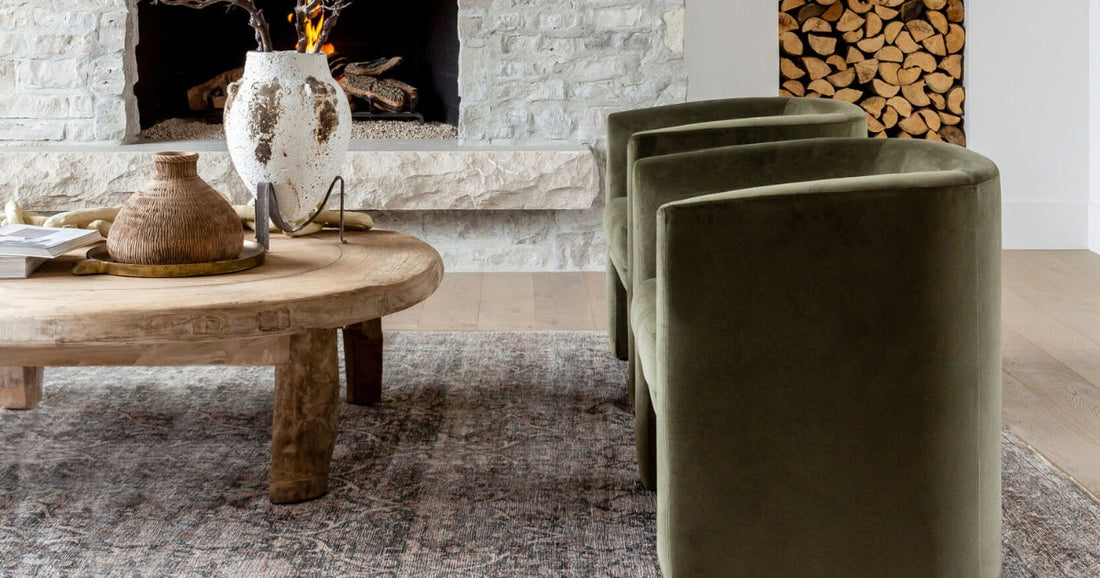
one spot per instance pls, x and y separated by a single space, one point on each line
492 454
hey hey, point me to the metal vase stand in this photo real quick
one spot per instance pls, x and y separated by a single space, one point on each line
267 206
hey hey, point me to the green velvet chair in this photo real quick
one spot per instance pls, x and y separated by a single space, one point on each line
637 134
817 323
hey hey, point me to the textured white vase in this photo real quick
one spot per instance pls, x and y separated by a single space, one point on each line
287 122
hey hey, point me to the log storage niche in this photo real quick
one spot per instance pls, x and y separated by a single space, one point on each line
901 60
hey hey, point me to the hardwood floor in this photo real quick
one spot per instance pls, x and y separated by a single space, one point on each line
1051 321
568 301
1051 315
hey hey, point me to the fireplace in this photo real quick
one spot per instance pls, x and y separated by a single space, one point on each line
517 189
529 73
172 57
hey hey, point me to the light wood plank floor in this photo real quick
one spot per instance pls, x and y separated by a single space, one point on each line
1051 320
568 301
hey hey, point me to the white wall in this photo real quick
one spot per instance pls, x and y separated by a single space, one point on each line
1028 105
1028 110
731 48
1094 125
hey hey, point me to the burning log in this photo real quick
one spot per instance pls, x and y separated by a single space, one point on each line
410 91
373 67
211 94
361 81
376 92
336 64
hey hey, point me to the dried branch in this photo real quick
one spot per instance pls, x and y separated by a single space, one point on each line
302 11
256 16
331 10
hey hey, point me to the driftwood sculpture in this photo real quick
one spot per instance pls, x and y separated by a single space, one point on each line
101 219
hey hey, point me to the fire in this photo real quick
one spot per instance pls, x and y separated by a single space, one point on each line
313 33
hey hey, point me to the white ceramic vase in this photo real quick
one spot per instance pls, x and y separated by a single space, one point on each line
287 122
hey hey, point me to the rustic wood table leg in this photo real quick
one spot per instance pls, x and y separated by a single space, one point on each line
303 431
20 387
363 361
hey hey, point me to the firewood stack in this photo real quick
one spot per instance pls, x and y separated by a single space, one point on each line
901 60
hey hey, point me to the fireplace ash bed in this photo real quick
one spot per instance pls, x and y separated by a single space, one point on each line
196 129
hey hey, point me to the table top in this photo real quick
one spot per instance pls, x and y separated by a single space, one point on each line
311 282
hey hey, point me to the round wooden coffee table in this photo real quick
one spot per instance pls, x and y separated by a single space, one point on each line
284 313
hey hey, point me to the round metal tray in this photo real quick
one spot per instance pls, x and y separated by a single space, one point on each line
98 261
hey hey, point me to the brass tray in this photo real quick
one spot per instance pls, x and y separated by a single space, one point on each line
98 261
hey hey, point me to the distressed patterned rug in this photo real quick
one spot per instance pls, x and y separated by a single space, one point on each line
492 454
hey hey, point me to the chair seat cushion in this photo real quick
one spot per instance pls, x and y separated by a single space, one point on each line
615 217
643 320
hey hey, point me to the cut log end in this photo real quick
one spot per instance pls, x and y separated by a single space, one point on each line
900 60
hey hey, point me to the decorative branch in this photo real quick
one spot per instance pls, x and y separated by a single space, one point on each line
305 11
256 16
302 16
331 9
259 24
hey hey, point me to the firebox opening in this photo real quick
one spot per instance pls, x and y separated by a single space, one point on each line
181 48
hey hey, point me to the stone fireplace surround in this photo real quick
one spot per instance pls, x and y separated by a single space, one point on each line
519 189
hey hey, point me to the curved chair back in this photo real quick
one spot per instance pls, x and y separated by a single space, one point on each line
828 366
678 176
740 120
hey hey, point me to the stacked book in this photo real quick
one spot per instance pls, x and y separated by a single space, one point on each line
23 248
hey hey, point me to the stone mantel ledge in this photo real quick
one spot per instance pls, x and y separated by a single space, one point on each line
380 174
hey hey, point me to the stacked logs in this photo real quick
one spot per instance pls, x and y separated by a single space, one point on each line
901 60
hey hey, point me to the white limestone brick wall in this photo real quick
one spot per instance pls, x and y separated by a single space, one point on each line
530 70
66 74
487 241
551 70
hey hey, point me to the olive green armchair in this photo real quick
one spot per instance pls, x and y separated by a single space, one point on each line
817 325
637 134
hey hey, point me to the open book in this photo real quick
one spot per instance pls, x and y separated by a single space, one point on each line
48 242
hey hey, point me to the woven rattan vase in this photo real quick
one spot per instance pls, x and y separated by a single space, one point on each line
175 218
